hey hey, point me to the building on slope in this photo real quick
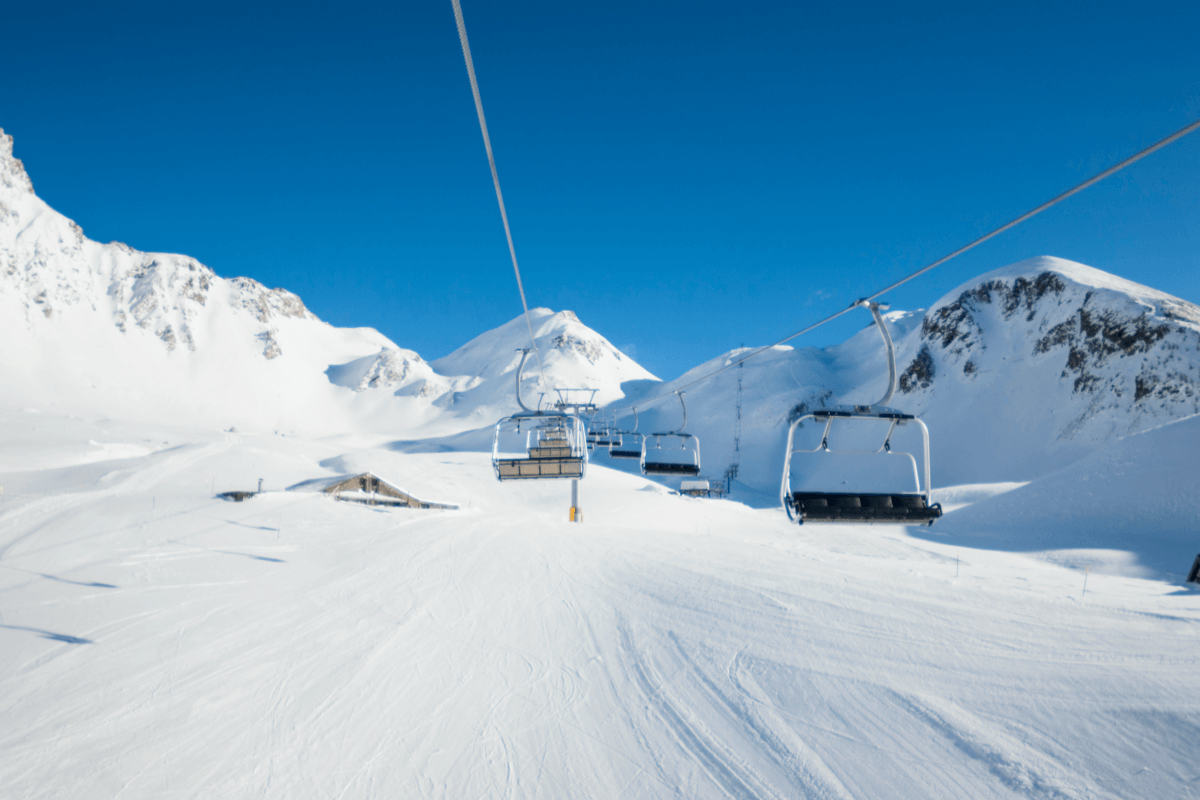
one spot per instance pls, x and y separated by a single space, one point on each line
370 489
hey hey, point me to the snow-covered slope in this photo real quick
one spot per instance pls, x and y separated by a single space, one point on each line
1130 506
1027 368
573 355
157 642
103 328
1017 373
476 384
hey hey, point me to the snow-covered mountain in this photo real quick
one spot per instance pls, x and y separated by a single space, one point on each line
1017 373
477 382
1029 367
103 328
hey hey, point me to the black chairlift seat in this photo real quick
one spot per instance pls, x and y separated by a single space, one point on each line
660 468
626 444
864 508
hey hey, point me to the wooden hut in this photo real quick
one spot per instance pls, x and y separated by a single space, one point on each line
370 489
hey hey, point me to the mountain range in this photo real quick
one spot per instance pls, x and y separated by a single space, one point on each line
1017 372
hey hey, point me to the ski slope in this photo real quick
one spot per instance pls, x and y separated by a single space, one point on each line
156 642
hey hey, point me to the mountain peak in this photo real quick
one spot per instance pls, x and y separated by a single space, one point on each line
12 171
1033 269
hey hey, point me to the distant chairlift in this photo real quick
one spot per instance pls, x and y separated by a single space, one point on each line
672 453
538 445
627 444
904 508
603 436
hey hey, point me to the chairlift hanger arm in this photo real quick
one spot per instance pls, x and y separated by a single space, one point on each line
891 351
520 369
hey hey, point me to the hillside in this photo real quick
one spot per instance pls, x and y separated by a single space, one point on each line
105 329
156 641
1017 373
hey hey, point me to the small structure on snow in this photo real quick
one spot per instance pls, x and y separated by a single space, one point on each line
699 488
370 489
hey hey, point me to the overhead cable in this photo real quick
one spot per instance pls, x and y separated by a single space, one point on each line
1179 134
487 143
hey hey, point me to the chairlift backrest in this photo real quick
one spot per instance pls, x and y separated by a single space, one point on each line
553 445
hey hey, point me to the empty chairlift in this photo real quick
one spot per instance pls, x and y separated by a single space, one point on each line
539 444
533 445
603 435
908 506
627 444
672 453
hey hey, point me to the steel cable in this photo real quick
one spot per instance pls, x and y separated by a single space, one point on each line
487 144
1184 131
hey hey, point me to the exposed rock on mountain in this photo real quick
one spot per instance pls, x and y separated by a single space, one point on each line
1117 356
1017 372
49 266
107 326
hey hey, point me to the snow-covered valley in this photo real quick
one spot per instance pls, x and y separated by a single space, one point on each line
158 641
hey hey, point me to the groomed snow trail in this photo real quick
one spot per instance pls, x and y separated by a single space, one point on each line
158 643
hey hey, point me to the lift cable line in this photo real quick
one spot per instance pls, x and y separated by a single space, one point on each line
865 302
487 143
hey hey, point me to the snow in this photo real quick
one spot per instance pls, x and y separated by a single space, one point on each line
156 641
1073 271
1132 507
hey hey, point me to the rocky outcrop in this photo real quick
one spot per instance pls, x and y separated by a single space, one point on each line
1117 349
47 262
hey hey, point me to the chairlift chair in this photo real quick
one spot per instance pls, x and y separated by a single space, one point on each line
627 444
604 436
553 445
672 453
903 507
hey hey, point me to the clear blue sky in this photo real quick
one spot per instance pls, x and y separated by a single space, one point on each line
686 176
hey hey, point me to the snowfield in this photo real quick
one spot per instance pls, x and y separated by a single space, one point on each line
156 642
159 642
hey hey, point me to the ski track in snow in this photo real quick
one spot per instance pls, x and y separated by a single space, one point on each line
291 646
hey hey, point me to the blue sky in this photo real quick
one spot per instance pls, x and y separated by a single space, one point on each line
687 177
